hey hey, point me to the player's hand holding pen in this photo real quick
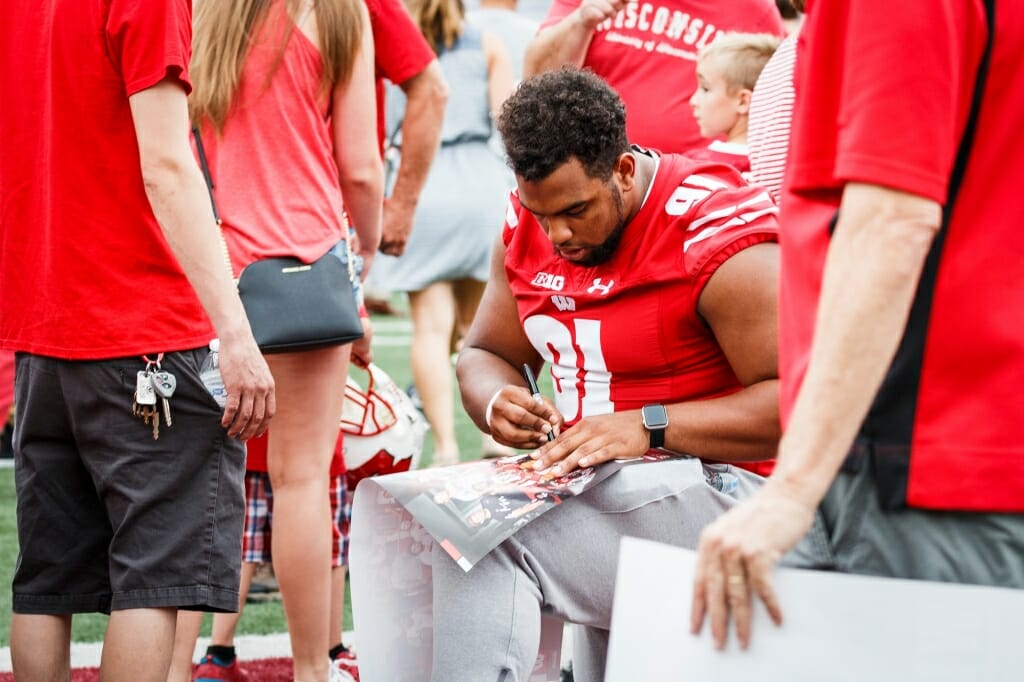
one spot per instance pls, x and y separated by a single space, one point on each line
520 417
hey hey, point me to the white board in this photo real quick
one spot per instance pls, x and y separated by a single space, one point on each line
836 628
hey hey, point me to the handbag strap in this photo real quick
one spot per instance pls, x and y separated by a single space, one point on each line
204 164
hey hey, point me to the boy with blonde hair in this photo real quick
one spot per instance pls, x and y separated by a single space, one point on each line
727 70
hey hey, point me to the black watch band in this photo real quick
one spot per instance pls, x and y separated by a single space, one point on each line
655 419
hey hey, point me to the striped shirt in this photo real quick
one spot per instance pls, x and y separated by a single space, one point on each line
771 113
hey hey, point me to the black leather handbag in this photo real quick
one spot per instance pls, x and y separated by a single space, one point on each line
291 305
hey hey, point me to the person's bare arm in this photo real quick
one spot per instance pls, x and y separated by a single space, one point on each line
426 95
871 273
180 202
566 43
354 123
490 364
500 79
739 305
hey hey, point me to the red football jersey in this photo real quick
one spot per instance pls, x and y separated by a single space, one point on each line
627 332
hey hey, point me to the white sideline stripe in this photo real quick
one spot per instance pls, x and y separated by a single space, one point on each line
248 647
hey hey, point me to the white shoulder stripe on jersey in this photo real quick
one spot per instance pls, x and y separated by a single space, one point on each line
742 219
705 181
761 198
510 215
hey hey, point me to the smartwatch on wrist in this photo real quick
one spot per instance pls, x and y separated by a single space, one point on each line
655 418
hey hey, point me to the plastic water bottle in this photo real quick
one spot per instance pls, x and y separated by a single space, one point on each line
209 374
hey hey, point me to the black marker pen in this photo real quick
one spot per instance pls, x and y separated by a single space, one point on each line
531 381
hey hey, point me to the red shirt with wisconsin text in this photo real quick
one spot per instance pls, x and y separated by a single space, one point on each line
648 53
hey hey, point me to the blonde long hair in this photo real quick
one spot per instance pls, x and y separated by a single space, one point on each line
221 33
440 21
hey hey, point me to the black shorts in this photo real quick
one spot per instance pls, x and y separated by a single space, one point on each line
109 518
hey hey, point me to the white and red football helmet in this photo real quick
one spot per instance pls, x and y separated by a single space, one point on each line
383 431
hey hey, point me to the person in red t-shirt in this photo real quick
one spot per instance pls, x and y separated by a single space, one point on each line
635 277
110 271
900 352
727 70
647 51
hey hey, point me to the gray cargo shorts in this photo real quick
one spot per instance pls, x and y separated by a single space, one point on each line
108 517
946 546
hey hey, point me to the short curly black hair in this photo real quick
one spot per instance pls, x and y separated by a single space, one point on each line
560 115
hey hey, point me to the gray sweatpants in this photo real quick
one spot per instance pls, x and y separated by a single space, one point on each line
487 621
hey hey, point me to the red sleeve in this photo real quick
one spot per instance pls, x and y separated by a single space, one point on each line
885 136
559 10
150 41
855 71
401 51
724 217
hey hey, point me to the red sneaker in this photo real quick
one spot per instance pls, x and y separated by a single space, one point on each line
212 670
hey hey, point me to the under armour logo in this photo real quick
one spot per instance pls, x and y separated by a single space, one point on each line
599 286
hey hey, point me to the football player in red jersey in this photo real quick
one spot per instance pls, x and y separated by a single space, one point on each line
647 283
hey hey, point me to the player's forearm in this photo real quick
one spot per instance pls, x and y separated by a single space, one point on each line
871 274
481 374
563 44
181 204
426 96
743 426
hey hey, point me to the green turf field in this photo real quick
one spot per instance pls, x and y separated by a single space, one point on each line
391 351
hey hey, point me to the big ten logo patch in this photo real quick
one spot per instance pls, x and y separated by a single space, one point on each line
546 281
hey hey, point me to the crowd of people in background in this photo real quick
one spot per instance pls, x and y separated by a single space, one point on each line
706 201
